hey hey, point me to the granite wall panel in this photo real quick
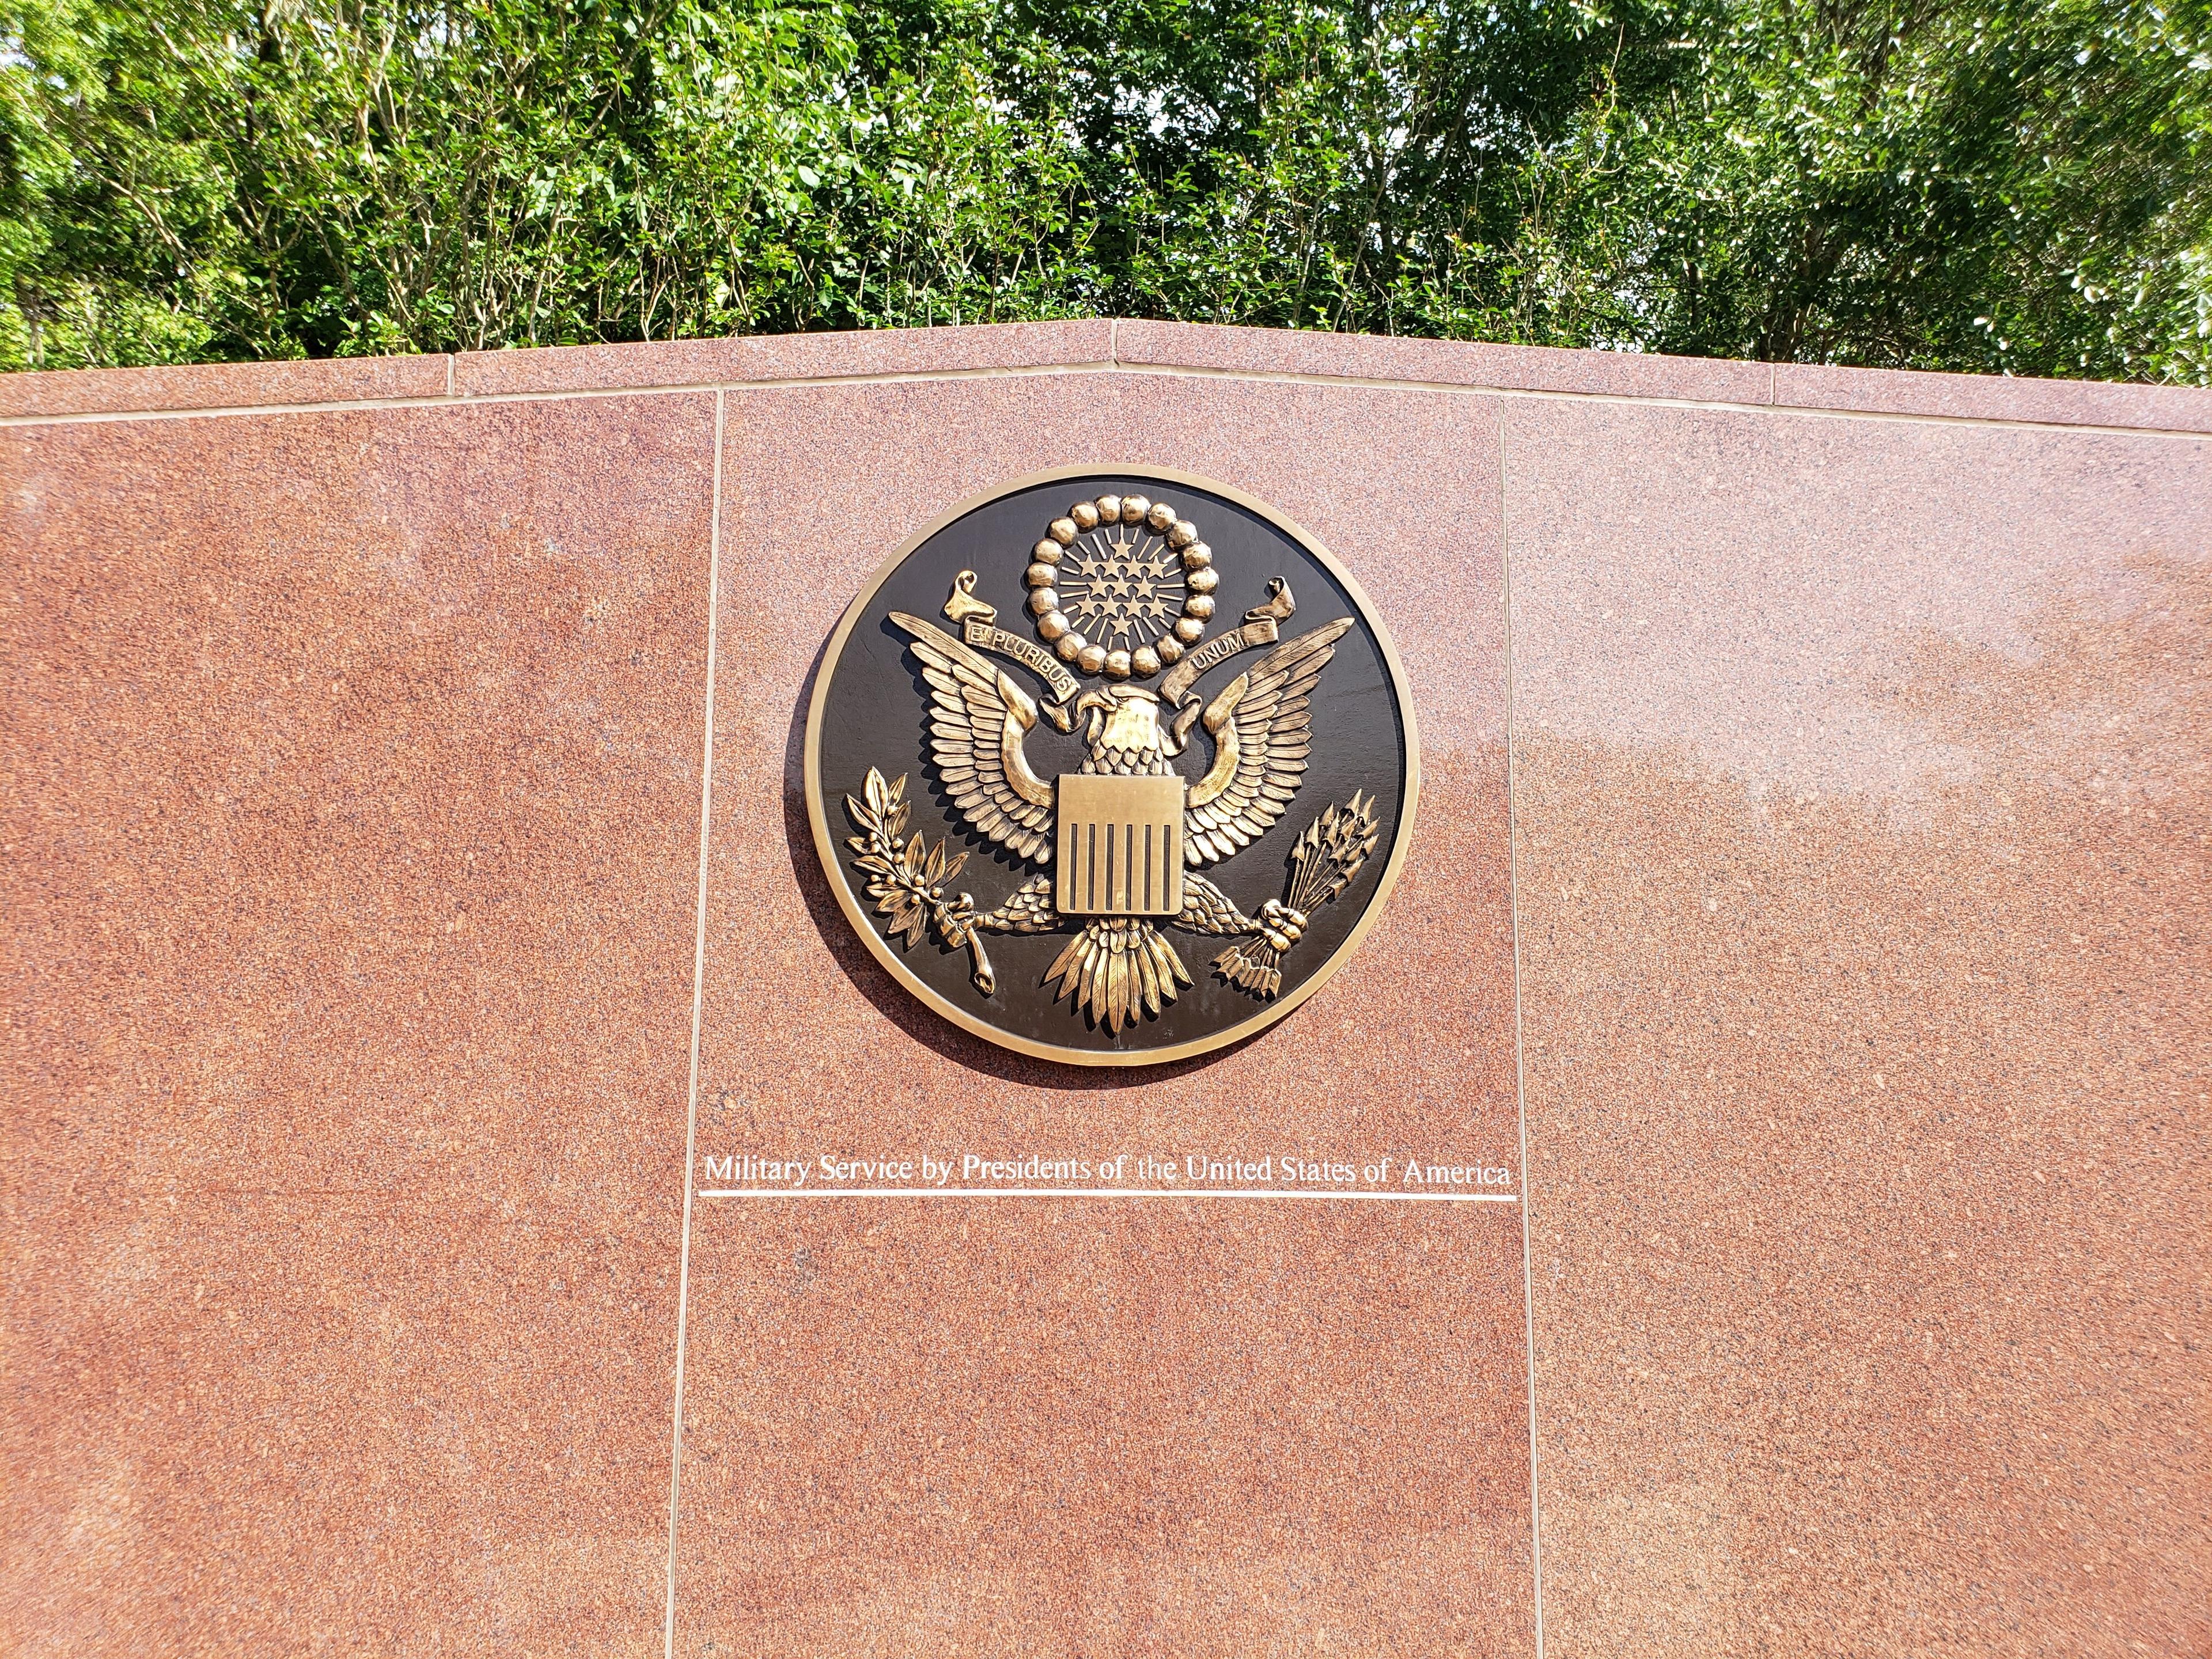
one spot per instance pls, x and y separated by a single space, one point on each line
1212 1432
1854 809
353 801
1861 792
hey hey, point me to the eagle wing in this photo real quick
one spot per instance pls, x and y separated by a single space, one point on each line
1262 735
977 719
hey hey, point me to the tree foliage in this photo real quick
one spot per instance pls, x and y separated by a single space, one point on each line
2014 185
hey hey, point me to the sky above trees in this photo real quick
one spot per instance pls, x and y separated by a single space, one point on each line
2022 186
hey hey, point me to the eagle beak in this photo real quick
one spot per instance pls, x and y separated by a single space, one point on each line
1099 705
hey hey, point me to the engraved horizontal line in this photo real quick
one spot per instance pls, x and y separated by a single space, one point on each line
1107 1192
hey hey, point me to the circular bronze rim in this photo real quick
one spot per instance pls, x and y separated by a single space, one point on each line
856 914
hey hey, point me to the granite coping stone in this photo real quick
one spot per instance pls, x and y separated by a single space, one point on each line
1993 397
853 354
1440 362
1102 343
221 385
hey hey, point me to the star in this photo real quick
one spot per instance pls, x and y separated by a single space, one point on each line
1121 586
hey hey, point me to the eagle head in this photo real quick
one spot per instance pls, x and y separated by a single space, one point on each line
1124 733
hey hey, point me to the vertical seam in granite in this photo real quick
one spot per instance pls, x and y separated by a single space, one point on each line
449 375
1771 385
1114 342
698 1002
1520 1067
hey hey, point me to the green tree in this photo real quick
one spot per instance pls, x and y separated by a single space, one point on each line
2021 185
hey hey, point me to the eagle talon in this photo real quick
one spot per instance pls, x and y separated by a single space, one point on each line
1283 926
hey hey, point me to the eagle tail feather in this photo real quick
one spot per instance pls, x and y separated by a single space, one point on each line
1118 969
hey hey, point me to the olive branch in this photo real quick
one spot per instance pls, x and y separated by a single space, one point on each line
909 877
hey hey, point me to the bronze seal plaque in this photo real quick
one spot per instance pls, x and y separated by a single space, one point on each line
1111 767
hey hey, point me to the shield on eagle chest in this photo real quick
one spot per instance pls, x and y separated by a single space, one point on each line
1120 845
1111 768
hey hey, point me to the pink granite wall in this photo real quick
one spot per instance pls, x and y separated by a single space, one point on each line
1811 875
